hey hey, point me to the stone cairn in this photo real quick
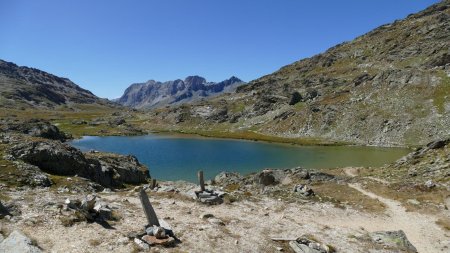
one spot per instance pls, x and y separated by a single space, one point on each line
207 196
157 231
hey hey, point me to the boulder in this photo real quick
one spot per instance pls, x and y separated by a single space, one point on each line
393 239
3 210
226 178
265 178
17 242
438 144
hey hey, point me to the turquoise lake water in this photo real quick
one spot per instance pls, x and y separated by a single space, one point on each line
179 158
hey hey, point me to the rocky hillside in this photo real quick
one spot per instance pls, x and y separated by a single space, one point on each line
152 94
28 87
390 86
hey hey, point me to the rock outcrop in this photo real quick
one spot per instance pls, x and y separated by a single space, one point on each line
54 157
35 128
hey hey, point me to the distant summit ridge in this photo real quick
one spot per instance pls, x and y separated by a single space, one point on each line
153 94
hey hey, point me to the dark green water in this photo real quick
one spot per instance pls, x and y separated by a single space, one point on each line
179 158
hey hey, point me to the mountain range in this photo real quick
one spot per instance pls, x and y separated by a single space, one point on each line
153 94
388 87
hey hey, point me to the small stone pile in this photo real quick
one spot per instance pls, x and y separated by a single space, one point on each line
210 197
205 196
304 190
92 209
154 236
304 245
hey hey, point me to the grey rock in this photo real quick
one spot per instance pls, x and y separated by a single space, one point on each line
141 244
265 178
1 238
430 184
73 203
302 248
159 232
304 190
216 221
438 144
205 216
149 231
3 210
17 242
225 178
212 200
88 202
394 239
123 240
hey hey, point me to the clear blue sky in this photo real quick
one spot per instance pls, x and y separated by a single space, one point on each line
106 45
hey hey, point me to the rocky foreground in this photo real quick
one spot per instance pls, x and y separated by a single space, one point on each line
55 198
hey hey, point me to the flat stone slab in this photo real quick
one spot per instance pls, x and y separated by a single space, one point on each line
152 240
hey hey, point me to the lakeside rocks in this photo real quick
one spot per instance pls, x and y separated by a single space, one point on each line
35 128
424 168
108 170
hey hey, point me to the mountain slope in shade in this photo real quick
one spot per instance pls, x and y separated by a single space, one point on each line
390 86
152 94
30 87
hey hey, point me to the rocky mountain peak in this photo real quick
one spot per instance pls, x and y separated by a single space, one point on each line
29 87
154 94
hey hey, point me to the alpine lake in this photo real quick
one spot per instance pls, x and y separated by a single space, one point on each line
175 157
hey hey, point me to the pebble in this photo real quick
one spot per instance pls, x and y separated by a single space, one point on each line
216 221
206 216
141 244
123 240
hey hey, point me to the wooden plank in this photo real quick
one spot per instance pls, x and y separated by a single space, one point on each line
148 209
201 180
153 184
